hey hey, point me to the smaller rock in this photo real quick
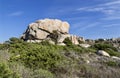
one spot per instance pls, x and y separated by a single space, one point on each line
51 42
103 53
87 61
74 39
85 45
61 44
38 41
32 41
17 56
115 57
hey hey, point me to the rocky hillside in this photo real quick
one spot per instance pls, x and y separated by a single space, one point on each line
47 50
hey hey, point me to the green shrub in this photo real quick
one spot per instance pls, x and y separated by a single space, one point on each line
112 63
102 46
68 42
45 43
15 40
107 47
5 72
112 52
4 46
36 55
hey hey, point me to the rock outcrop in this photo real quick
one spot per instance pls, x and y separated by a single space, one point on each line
53 30
74 39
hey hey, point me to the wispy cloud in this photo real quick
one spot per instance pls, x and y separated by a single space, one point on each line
112 3
83 26
110 25
110 9
97 9
17 13
112 18
90 25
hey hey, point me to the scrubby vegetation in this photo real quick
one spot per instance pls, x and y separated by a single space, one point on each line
19 59
107 47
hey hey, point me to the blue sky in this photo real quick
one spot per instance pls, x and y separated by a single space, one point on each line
88 18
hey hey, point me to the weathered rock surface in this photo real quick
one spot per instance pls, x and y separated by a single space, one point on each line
50 25
74 39
43 29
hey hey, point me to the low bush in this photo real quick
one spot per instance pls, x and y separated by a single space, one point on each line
112 63
106 47
102 46
68 42
5 72
35 55
44 60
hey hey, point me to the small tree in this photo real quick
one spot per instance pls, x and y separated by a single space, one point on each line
68 42
14 40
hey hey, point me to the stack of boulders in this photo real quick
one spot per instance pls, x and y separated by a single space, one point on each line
53 30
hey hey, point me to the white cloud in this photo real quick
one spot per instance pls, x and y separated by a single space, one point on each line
112 18
109 8
111 25
83 26
17 13
112 3
90 26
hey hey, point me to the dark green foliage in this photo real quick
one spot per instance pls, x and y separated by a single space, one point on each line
68 42
112 52
14 40
44 60
99 40
36 55
41 55
78 49
101 46
45 43
107 47
112 63
81 42
4 46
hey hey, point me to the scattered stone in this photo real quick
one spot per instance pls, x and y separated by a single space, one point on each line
115 57
85 45
61 44
51 42
87 61
103 53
